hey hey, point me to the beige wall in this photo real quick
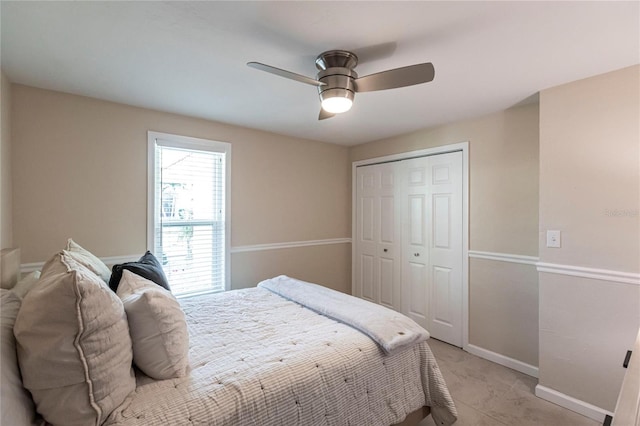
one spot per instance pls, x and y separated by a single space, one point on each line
503 187
326 264
590 156
6 225
503 216
80 171
590 190
504 314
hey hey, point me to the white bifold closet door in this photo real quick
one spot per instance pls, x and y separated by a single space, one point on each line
408 248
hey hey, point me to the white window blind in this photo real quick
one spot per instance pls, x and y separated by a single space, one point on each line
190 221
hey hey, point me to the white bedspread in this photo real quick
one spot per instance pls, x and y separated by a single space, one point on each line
259 359
390 329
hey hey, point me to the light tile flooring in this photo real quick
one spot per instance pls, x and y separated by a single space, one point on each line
486 393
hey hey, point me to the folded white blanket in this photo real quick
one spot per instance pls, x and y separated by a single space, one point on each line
390 329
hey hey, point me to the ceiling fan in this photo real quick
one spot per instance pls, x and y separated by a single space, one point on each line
337 82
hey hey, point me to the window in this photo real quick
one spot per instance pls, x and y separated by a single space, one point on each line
188 228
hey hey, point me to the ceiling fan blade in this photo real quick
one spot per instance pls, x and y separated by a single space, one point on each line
284 73
324 114
399 77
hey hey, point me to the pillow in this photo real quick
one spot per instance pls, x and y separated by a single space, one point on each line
157 325
26 284
74 348
17 405
88 260
147 266
9 267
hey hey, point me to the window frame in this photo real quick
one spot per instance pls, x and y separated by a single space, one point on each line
186 142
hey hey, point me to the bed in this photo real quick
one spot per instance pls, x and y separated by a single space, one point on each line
260 357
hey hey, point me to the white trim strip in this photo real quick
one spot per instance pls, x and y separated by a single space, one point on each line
504 257
514 364
292 244
571 403
443 149
25 268
596 274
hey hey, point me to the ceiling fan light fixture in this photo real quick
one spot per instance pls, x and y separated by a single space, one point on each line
336 101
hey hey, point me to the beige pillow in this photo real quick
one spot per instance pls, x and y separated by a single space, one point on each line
88 260
26 283
157 325
16 403
74 348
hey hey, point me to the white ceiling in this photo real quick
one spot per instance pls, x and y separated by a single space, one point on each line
189 57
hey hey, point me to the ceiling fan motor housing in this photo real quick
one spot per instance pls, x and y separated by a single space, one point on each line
336 71
339 82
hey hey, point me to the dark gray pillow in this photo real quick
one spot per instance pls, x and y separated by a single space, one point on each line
147 266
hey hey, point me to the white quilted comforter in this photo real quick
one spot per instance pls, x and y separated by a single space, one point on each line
259 359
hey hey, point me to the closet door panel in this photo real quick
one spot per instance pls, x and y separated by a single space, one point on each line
442 221
366 277
441 296
416 296
387 282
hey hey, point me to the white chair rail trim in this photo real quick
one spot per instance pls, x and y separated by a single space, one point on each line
291 244
504 257
609 275
25 268
596 274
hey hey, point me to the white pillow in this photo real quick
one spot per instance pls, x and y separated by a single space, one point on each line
157 325
88 260
74 348
26 283
17 405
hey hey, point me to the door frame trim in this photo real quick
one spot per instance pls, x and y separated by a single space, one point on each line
443 149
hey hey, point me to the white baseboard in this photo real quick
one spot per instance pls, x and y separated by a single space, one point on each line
571 403
514 364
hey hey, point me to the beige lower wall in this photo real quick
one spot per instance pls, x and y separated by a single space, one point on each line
6 221
586 328
504 315
80 171
503 218
329 265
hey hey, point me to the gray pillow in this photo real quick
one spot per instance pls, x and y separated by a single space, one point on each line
147 267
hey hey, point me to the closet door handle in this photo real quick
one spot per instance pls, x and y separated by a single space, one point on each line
416 254
385 250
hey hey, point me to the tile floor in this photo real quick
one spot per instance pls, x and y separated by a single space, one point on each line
486 393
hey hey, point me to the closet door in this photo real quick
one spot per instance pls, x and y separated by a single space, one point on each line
377 259
444 219
408 248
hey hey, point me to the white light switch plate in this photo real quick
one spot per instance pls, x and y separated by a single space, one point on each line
553 239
